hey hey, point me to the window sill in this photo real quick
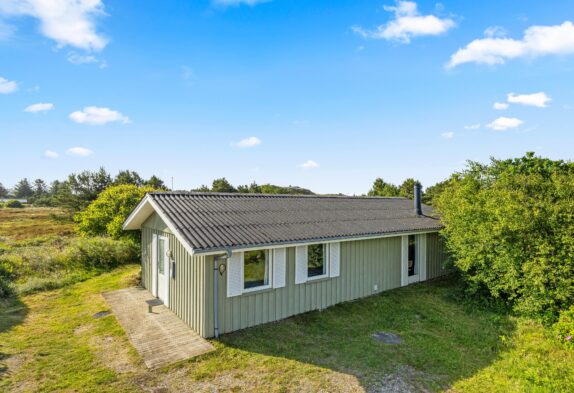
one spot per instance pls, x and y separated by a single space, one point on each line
255 290
312 280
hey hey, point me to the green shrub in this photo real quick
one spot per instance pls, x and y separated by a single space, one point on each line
54 264
564 328
6 289
105 215
101 253
8 267
14 204
509 226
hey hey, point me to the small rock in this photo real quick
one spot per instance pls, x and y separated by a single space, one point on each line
101 314
387 338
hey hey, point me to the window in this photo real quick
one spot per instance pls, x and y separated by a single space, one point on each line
412 259
316 266
255 269
161 255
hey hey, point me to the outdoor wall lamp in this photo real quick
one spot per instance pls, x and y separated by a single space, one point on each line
172 261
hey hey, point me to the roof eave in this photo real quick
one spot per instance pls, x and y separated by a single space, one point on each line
258 246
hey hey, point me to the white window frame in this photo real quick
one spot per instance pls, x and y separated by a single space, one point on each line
326 262
263 287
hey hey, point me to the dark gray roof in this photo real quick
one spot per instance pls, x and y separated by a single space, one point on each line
214 221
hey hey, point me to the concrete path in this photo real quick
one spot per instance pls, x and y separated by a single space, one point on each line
160 337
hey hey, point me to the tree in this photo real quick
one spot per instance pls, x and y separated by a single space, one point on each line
382 188
407 188
40 188
106 215
432 193
222 185
203 188
23 189
3 191
510 229
83 188
156 182
128 177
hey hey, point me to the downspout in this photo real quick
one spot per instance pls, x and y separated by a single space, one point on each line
216 260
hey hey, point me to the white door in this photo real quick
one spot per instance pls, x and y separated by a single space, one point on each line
162 269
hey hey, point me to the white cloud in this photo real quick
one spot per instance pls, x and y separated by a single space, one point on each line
505 123
94 115
495 31
79 152
500 106
408 23
447 135
40 107
309 164
77 59
539 100
537 41
233 3
68 22
51 154
249 142
7 87
472 127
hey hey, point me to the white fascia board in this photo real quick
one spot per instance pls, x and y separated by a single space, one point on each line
172 227
143 210
307 243
131 223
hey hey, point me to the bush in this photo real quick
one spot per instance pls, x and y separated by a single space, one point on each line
6 289
564 328
510 227
101 253
14 204
56 264
105 215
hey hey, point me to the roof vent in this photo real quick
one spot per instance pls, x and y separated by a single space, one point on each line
417 199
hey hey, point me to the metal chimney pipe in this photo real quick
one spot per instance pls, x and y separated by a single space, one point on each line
417 199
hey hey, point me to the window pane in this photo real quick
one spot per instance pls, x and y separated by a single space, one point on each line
161 256
255 268
316 260
412 258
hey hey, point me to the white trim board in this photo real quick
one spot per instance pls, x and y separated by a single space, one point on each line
147 202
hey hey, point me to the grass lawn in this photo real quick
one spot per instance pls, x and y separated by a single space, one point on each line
50 341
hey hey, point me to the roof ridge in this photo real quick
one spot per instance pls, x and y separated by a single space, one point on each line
259 195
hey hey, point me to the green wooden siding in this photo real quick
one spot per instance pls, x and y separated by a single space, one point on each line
436 256
364 264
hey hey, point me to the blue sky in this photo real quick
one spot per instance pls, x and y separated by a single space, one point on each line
326 95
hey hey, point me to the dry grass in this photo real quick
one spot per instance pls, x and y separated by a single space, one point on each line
34 222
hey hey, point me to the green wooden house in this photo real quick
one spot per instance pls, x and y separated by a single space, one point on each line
224 262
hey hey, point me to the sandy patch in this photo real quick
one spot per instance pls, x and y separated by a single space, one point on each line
114 353
405 379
